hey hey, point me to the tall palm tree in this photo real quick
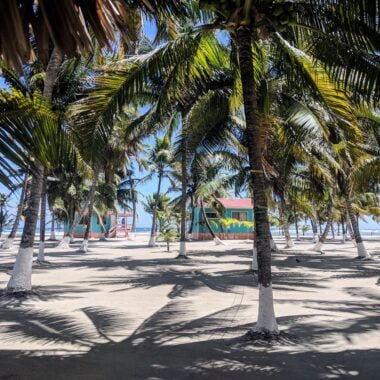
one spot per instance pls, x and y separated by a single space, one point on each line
159 159
105 22
249 22
21 274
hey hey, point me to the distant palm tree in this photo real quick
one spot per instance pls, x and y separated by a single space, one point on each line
4 214
159 159
8 243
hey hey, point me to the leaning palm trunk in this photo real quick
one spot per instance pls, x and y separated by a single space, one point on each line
314 227
192 215
285 224
318 246
266 322
288 238
273 245
350 235
21 279
41 247
362 252
344 230
153 232
91 199
182 242
217 241
8 243
74 222
52 226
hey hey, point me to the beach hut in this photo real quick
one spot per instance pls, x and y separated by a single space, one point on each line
235 222
113 224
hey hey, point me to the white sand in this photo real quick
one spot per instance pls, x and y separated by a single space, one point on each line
126 311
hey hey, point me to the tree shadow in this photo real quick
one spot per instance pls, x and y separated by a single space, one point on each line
169 346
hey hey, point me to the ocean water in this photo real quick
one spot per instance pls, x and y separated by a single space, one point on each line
365 230
59 230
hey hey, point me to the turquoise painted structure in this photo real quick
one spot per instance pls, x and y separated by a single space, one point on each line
240 209
115 225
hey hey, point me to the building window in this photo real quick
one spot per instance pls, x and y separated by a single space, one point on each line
241 216
211 215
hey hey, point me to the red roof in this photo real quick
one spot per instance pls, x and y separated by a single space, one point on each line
236 203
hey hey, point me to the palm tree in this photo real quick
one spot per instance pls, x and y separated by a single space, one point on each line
4 215
159 159
75 18
157 204
21 274
38 139
127 193
249 22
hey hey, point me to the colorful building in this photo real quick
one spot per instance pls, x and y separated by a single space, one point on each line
114 224
222 224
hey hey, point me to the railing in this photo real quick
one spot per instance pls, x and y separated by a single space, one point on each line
119 230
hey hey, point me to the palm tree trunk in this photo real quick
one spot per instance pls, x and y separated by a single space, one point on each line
65 241
296 224
215 238
134 208
314 227
273 246
182 242
332 231
153 232
73 223
9 241
206 220
41 248
288 237
52 227
192 214
362 252
322 239
285 224
266 322
344 230
21 279
91 199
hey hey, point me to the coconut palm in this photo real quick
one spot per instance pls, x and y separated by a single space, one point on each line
5 219
159 159
155 78
104 22
127 194
157 204
249 22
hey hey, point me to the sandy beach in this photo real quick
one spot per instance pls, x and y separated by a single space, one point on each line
126 311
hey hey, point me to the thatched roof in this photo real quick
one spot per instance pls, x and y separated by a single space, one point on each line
70 25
